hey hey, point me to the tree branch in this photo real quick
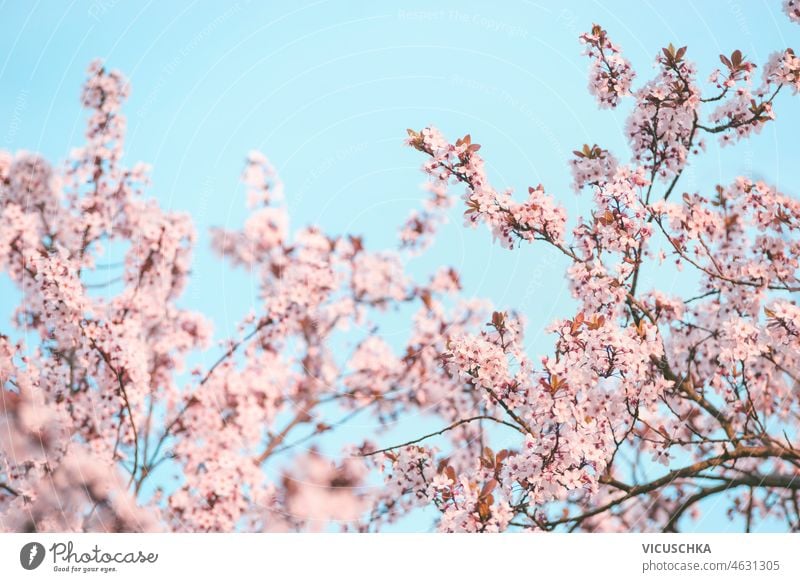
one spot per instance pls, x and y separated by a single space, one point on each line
442 431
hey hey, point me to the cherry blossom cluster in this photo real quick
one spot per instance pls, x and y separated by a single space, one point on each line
611 75
536 218
737 69
662 127
792 10
700 385
51 479
747 111
130 437
421 227
591 166
782 69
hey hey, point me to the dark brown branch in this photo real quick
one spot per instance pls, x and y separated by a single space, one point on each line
232 349
688 471
10 489
301 417
124 394
442 431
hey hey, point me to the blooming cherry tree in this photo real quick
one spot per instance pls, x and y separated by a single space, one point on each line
648 403
705 385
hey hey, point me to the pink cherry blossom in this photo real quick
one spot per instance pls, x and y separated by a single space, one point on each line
125 411
792 10
611 75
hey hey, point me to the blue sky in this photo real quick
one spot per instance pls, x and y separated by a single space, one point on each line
326 90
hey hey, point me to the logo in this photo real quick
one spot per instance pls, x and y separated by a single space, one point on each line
31 555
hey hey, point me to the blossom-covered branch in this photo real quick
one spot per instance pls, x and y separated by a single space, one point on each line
648 403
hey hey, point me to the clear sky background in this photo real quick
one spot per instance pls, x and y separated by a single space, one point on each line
326 90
